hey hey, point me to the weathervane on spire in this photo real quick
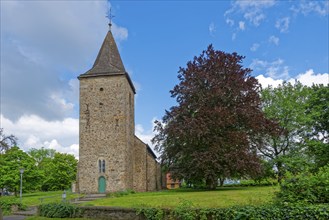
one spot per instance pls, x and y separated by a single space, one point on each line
110 16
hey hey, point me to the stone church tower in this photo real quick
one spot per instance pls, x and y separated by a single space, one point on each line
111 157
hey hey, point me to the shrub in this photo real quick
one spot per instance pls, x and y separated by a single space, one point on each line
306 188
273 212
263 182
268 212
184 211
59 210
6 204
150 213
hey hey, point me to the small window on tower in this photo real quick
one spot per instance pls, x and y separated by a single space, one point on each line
101 89
100 166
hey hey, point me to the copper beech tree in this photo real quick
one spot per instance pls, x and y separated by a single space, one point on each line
212 133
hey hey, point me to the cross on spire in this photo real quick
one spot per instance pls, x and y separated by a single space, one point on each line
110 16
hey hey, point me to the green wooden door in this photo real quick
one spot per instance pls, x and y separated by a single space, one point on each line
101 184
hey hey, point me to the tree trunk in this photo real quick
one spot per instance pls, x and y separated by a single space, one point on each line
280 172
211 183
0 214
221 181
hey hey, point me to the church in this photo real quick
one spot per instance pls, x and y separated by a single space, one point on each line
111 157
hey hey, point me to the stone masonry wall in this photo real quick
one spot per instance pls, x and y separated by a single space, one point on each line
151 173
105 133
159 176
130 127
139 166
114 213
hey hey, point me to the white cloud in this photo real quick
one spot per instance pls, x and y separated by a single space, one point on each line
242 25
53 144
247 4
146 135
35 132
254 47
308 78
267 81
275 69
274 40
45 52
254 17
258 64
230 22
283 24
119 33
61 102
253 11
308 7
212 28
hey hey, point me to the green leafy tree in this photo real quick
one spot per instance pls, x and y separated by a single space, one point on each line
10 164
39 155
60 171
43 160
317 139
306 187
287 105
267 172
212 131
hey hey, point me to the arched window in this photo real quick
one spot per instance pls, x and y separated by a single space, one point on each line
101 166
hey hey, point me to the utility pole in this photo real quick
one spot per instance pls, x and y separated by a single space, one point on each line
20 192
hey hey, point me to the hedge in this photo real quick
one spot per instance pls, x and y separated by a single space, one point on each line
274 212
7 204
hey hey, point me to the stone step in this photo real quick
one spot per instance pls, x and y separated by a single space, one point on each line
90 199
78 202
29 212
98 195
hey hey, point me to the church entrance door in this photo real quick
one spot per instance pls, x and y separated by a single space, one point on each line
101 185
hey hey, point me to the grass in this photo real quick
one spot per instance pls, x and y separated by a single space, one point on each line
223 197
33 199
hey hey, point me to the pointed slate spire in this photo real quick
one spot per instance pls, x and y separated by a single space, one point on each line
108 61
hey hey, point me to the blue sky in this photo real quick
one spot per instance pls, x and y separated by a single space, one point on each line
45 45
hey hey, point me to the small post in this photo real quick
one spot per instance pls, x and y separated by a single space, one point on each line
64 196
21 171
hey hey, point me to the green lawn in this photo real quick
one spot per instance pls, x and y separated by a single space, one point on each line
223 197
33 199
